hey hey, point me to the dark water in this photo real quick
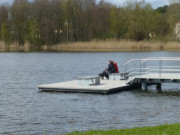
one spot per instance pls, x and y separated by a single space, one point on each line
25 111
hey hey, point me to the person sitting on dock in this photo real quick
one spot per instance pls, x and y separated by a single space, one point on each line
111 69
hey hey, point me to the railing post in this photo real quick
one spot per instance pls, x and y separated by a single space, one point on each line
160 68
143 67
140 68
126 72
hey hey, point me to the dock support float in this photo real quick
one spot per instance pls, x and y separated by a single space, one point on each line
144 86
158 87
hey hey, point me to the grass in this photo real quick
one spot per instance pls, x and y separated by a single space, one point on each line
173 129
99 46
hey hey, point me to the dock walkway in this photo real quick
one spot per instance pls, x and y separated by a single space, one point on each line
155 78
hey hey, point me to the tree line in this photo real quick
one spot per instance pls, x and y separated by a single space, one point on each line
49 22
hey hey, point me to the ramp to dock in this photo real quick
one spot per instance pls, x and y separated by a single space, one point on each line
157 78
153 71
105 87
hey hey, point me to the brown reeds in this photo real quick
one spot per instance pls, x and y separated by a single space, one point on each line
14 47
116 46
98 46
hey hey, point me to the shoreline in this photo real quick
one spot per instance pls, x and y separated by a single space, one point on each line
171 129
95 46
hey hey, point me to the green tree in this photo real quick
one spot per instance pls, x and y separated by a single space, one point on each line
33 35
114 21
140 21
123 23
3 14
160 24
173 14
162 9
5 36
20 13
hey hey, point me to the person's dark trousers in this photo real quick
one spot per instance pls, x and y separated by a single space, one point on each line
104 73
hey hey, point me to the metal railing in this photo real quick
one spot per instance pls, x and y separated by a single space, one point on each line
152 65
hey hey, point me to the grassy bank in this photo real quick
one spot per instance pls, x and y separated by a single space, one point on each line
98 46
158 130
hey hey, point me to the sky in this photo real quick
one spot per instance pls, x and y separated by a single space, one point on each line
154 3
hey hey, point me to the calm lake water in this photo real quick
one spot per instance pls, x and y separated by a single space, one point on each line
26 111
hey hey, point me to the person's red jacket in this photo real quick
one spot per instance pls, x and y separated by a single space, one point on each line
115 64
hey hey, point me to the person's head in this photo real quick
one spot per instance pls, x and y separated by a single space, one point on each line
109 61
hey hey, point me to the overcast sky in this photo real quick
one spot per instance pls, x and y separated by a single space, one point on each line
154 3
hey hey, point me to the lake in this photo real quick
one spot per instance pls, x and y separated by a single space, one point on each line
26 111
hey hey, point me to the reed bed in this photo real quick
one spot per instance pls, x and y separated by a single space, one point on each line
2 47
174 46
96 46
116 46
15 47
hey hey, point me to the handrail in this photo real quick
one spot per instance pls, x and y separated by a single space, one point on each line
131 61
136 69
164 66
152 58
161 58
141 68
154 67
147 69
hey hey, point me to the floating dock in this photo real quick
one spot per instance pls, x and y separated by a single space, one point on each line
105 87
145 72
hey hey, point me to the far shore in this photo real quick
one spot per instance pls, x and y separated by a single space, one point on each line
96 46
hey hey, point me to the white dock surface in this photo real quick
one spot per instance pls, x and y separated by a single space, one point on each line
73 86
109 86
